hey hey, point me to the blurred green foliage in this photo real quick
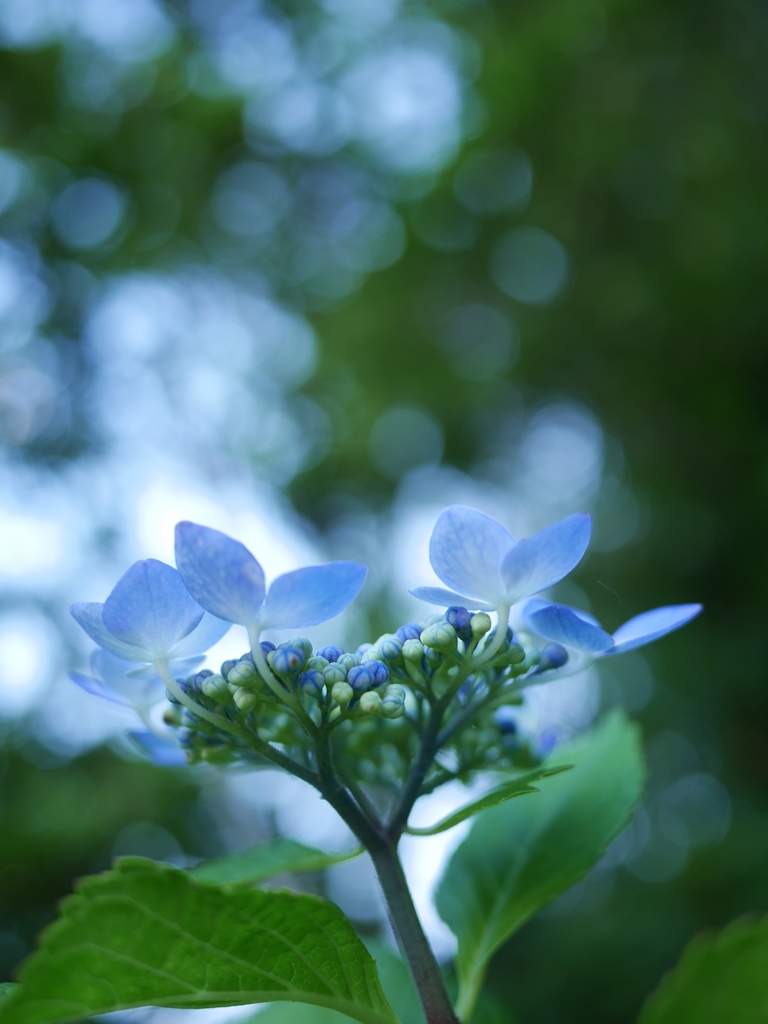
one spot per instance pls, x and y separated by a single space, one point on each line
645 124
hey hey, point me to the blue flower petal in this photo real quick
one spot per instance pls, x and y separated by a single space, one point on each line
309 596
98 688
205 634
447 598
140 688
151 608
539 562
88 616
220 573
537 602
649 626
565 626
164 753
466 551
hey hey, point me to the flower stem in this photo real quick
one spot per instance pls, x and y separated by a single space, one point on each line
413 942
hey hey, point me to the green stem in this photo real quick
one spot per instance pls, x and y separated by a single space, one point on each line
275 685
413 942
488 653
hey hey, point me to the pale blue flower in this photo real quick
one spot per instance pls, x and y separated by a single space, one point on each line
223 576
122 682
486 568
578 630
165 753
149 617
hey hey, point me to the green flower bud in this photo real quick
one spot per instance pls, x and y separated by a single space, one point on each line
390 648
480 623
302 644
317 663
372 654
515 655
347 661
532 657
334 714
432 619
334 673
217 688
342 692
370 703
245 700
243 673
172 715
441 636
413 650
227 666
393 702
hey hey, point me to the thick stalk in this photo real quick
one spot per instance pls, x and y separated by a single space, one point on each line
411 938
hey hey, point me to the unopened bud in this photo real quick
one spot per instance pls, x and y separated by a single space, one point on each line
243 673
370 704
199 679
304 645
552 656
335 712
362 649
286 660
245 700
334 673
480 623
331 653
390 647
410 631
342 693
317 663
393 702
215 687
441 636
460 619
413 650
227 666
348 661
515 655
311 682
368 675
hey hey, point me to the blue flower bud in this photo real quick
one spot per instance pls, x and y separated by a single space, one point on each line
434 657
410 631
185 737
334 673
348 661
243 673
215 687
552 656
362 649
506 721
413 650
245 700
331 653
363 677
461 621
286 659
380 673
441 636
303 645
199 679
189 719
183 685
480 623
342 693
227 666
311 682
370 704
267 646
390 647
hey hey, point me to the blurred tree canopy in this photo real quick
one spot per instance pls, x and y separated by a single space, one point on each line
644 123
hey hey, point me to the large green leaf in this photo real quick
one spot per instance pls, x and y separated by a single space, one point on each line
721 979
6 987
148 934
277 857
518 786
518 857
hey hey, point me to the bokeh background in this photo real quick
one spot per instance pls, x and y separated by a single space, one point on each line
308 271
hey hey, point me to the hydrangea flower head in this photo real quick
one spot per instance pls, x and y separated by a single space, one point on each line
576 629
223 577
150 616
485 566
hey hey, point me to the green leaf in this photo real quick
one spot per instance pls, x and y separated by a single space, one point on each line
720 978
520 856
6 987
518 786
147 934
279 856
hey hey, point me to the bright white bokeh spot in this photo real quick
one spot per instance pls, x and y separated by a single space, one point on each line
28 654
30 545
530 265
87 213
